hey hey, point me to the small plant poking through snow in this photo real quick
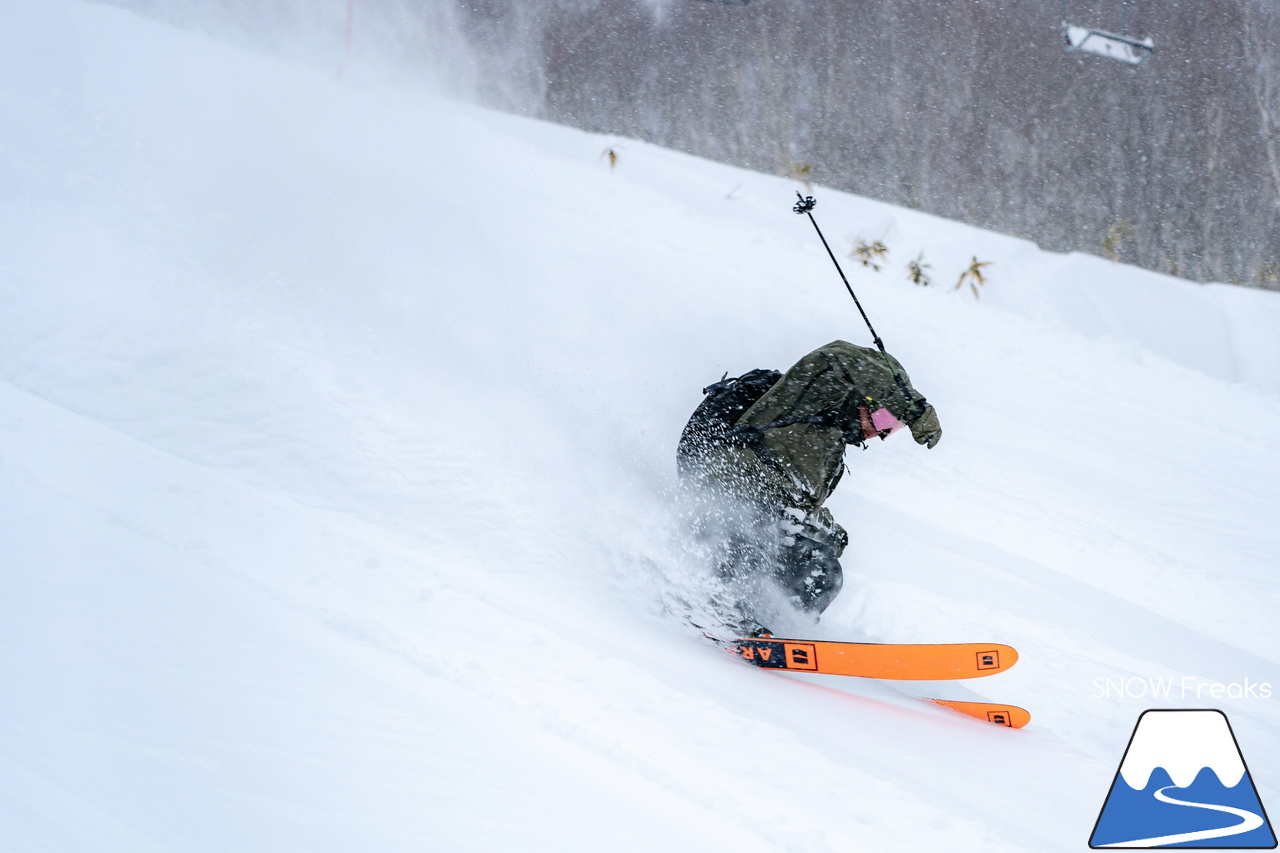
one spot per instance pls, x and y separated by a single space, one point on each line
868 254
916 271
802 172
973 275
1269 275
1118 232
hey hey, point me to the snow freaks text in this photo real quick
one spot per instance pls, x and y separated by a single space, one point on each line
1187 687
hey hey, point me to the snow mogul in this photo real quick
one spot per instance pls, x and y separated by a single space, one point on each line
761 455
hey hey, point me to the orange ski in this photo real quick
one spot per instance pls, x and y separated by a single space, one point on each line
1002 715
879 660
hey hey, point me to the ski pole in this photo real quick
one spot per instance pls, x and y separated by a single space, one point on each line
806 205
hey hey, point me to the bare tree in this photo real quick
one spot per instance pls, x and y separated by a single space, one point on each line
1260 46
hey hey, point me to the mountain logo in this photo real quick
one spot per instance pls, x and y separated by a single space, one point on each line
1183 783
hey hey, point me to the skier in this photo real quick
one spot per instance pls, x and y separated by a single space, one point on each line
764 451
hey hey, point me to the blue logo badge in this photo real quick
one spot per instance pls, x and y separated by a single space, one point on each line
1183 783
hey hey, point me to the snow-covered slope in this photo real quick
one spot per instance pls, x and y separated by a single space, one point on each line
336 434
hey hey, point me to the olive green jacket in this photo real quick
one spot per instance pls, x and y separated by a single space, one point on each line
794 456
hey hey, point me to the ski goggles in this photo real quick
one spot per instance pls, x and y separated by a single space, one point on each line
884 423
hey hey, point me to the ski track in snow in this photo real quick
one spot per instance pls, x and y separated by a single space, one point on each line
336 436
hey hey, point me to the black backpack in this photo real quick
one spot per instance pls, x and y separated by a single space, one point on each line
713 420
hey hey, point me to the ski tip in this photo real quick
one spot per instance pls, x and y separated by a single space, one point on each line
1009 716
993 658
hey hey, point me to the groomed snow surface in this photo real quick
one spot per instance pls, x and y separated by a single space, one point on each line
336 467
